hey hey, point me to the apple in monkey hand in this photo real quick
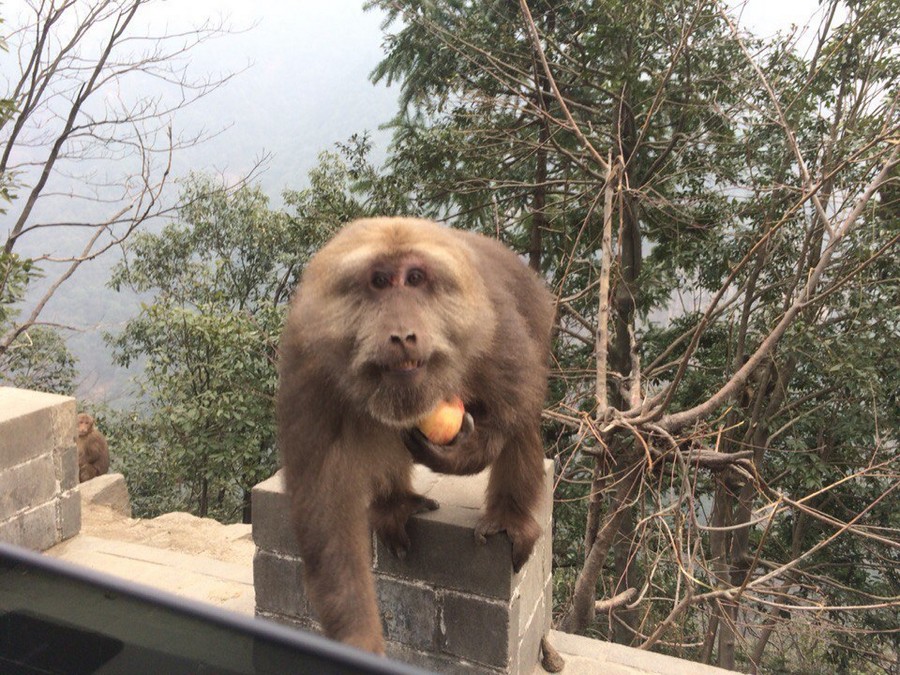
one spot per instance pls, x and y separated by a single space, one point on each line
441 425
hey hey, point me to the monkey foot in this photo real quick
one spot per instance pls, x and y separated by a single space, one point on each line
389 520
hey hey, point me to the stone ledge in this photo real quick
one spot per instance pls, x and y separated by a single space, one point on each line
107 490
585 656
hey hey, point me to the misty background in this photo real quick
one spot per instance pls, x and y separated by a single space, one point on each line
300 85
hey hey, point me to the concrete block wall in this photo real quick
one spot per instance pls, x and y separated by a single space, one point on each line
452 605
40 505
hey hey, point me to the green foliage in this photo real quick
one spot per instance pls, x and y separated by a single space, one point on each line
344 186
7 108
38 359
207 341
15 275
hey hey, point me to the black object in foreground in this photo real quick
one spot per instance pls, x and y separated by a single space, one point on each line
59 618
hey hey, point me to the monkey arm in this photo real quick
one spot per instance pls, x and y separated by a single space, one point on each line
92 451
468 453
333 532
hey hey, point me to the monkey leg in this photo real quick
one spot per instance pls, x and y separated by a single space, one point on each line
514 489
335 543
390 513
86 472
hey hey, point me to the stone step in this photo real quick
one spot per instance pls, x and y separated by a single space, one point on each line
225 584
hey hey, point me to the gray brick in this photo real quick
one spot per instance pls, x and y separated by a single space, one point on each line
409 613
478 629
436 663
27 485
272 529
443 549
443 552
305 624
61 418
278 581
69 514
533 579
452 605
34 529
66 465
109 490
527 653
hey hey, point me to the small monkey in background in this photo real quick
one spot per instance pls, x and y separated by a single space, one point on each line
93 453
393 316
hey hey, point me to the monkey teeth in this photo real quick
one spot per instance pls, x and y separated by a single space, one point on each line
408 365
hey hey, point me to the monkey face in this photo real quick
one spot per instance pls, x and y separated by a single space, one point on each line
85 424
389 315
401 361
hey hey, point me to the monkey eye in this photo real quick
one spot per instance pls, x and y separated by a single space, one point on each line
415 277
380 280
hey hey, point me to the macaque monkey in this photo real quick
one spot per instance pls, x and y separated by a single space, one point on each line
391 317
93 453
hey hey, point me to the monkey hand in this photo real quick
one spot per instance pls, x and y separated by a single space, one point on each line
522 530
440 458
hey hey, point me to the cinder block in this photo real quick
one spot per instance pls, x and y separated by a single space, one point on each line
305 624
479 629
32 424
409 613
278 582
61 419
437 663
68 516
27 485
272 530
442 539
534 577
528 651
34 529
443 552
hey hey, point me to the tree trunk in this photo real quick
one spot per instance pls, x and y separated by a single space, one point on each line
625 622
538 216
581 613
719 543
544 95
204 497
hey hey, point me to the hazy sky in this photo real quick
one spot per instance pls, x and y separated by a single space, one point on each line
309 62
302 82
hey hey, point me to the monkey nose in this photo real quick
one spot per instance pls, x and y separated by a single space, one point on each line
403 339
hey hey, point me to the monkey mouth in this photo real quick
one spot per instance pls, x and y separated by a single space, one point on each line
409 366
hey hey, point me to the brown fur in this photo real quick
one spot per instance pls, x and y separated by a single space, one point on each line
93 453
391 316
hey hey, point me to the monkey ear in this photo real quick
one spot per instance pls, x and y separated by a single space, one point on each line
424 450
